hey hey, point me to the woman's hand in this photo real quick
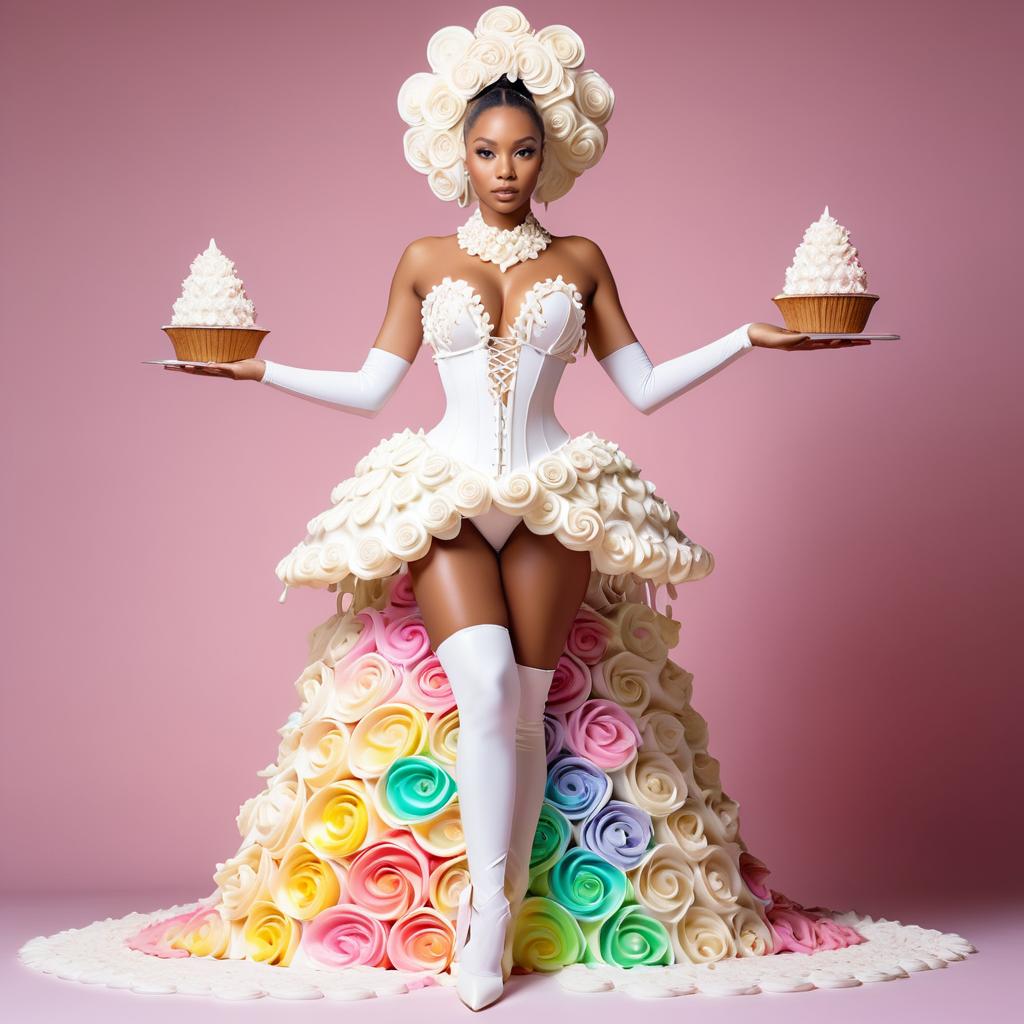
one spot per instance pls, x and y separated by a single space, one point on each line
770 336
243 369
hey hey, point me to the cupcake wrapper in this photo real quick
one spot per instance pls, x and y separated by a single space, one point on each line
826 314
215 344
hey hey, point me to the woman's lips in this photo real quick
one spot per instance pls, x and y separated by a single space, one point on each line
505 193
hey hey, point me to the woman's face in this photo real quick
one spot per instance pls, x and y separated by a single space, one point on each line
503 152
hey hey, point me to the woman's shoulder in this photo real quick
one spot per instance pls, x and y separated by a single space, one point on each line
581 246
421 252
584 250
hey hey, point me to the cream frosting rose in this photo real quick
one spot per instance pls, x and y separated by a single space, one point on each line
673 688
442 835
640 631
570 686
322 756
661 730
502 21
405 641
594 96
446 46
426 684
358 686
664 883
726 811
287 750
443 736
702 937
753 936
719 883
696 728
312 687
206 933
346 936
447 881
341 818
338 638
588 637
271 818
244 879
390 878
564 43
706 771
305 884
625 679
383 735
685 826
423 941
652 781
618 832
537 65
603 732
271 936
441 106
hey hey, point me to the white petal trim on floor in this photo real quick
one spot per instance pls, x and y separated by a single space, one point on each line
96 955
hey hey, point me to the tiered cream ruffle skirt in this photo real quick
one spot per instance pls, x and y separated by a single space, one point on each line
588 493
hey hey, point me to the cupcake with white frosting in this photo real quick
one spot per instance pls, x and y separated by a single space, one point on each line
214 320
826 287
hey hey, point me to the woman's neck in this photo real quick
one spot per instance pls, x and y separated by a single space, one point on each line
504 221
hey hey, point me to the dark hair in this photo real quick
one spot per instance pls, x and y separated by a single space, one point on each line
503 93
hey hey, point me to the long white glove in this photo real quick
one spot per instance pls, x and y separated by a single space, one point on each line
363 392
648 387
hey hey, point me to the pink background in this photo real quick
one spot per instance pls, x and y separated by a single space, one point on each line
856 648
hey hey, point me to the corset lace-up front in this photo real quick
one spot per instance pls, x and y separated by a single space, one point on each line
500 389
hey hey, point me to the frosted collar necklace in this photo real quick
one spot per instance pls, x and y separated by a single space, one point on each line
504 246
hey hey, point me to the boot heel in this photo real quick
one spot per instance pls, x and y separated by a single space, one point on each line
478 989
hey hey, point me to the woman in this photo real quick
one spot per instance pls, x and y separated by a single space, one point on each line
497 598
505 307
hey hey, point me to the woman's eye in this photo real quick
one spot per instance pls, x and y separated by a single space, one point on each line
528 150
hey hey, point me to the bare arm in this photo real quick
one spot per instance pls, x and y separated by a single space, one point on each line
624 359
364 391
402 330
649 387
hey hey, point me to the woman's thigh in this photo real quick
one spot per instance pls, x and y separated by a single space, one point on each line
545 584
457 583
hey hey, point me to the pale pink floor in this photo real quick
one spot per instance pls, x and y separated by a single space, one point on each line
977 990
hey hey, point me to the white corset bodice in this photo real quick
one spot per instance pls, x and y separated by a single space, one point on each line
500 391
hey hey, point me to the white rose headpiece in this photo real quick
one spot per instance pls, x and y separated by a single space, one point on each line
575 105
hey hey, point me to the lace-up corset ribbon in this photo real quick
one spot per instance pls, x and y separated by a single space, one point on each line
500 391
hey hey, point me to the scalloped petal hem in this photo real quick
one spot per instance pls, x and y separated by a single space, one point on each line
98 955
587 493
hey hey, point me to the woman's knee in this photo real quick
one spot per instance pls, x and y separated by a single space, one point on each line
484 678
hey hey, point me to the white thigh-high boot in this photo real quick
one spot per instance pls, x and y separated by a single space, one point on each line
531 777
481 667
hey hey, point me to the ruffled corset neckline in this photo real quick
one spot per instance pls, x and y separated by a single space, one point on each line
451 298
